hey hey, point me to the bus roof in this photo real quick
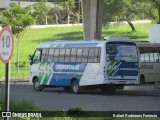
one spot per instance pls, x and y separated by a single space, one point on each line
69 44
73 44
147 44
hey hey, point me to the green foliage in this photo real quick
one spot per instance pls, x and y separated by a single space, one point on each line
128 10
41 10
125 30
68 4
22 105
25 105
124 10
113 118
17 18
58 14
154 12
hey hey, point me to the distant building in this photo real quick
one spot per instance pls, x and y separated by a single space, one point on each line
4 5
23 3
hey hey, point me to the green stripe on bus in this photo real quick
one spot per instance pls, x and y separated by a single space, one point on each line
41 65
40 76
59 45
52 46
46 79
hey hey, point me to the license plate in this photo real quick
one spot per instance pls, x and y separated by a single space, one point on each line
122 82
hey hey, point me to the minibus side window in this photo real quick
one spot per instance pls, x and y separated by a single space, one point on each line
44 55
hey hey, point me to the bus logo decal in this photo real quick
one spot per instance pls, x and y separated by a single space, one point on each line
113 68
67 67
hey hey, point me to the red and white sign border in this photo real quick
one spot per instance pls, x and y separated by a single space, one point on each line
12 38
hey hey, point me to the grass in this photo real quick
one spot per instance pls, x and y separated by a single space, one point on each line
24 106
111 118
141 33
35 36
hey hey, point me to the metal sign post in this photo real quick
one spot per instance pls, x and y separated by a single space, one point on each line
7 90
7 87
6 50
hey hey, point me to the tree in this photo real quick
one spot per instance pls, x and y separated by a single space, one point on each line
41 10
66 12
156 4
63 11
18 19
125 10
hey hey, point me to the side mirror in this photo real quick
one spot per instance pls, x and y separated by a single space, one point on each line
30 57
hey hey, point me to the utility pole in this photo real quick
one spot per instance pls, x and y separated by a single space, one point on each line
99 15
1 17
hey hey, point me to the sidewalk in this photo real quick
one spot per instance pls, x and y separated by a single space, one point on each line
17 82
56 25
17 79
146 87
157 86
20 80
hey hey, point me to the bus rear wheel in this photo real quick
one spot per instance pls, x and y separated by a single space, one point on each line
142 79
36 85
75 87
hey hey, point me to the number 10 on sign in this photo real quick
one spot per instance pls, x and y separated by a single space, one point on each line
6 44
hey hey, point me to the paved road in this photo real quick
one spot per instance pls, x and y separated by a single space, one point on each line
141 98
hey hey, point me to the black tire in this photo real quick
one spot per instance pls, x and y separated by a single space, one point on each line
36 85
67 89
142 80
75 87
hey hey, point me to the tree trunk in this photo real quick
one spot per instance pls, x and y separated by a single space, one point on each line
159 15
68 19
56 18
46 19
131 25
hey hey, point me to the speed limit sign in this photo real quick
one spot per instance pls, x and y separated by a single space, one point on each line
6 44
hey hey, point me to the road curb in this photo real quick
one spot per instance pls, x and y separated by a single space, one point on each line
17 82
15 79
157 86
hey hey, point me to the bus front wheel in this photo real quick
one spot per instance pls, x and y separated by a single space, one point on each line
36 85
75 87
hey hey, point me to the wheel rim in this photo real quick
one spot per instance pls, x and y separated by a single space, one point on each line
37 84
75 87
